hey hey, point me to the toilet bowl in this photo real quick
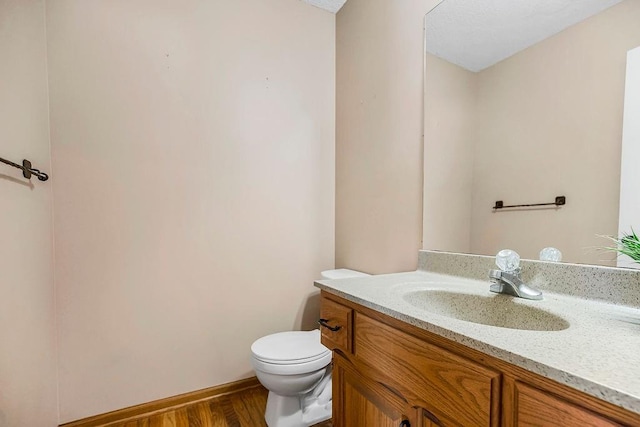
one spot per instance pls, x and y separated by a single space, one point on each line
296 369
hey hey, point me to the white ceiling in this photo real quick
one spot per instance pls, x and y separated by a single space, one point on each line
332 6
477 34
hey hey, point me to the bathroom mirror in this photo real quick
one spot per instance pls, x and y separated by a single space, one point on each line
523 103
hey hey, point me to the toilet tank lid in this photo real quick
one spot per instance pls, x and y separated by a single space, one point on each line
342 273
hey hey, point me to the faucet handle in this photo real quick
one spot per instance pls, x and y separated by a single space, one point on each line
508 260
550 254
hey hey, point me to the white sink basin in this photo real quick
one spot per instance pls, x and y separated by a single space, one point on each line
494 310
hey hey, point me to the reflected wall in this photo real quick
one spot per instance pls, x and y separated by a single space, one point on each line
546 122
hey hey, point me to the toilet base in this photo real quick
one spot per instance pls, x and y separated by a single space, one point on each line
316 413
287 411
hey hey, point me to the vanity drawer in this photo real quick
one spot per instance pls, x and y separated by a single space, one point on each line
336 325
455 390
534 407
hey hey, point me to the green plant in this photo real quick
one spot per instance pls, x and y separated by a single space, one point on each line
628 245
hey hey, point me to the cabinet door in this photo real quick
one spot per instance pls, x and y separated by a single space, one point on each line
360 402
457 391
534 407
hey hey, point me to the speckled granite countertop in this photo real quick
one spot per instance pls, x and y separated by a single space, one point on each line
599 353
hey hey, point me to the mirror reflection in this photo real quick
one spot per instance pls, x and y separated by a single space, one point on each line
524 102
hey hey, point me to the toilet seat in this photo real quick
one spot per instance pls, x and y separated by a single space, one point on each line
290 353
292 369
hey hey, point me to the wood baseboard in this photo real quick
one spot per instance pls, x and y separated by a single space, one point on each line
163 404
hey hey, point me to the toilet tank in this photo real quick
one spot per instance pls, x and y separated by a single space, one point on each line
341 273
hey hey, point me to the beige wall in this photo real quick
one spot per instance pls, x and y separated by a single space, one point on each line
531 149
27 311
379 156
193 147
449 120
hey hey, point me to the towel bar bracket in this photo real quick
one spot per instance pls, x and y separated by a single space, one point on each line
27 169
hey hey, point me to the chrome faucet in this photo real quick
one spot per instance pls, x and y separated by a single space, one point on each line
507 280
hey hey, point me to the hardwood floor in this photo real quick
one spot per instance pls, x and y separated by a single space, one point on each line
241 409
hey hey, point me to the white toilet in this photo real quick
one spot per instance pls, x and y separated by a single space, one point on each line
296 369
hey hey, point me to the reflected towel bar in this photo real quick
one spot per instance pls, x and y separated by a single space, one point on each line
27 170
560 200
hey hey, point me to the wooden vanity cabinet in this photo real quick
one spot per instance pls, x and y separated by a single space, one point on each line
389 373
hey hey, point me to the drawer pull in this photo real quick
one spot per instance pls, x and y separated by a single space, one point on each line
324 323
405 423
